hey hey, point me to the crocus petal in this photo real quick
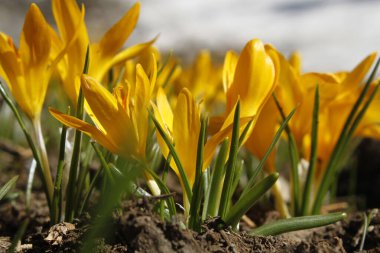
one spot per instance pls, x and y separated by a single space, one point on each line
73 33
35 40
100 66
296 62
142 102
35 53
164 109
356 76
263 133
253 80
67 15
116 36
186 128
86 128
102 104
229 67
11 68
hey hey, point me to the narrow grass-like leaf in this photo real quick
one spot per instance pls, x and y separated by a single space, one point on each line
163 178
238 170
195 219
297 223
361 114
20 233
248 200
7 187
88 193
245 132
341 144
277 136
74 166
57 196
100 226
313 156
230 169
294 158
177 161
217 179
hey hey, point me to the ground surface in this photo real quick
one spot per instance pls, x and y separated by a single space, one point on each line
136 229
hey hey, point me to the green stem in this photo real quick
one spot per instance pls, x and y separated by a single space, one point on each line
43 155
57 196
31 144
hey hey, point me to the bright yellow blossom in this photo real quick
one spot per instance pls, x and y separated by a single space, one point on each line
104 54
204 80
251 78
27 70
121 118
183 126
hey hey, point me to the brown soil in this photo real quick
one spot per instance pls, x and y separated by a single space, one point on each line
137 229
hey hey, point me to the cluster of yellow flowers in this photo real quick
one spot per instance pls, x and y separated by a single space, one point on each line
177 96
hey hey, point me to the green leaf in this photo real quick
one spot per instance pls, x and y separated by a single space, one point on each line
267 154
7 187
313 155
245 132
164 189
75 159
249 199
195 220
230 170
217 179
57 194
177 161
294 158
342 142
20 233
297 223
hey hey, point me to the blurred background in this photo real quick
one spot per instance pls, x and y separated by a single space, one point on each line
331 35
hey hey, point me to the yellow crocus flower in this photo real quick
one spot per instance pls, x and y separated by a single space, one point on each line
204 80
338 95
27 69
104 54
183 126
121 117
251 78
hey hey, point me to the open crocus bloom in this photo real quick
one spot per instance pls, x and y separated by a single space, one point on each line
121 117
27 70
250 78
103 54
183 126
